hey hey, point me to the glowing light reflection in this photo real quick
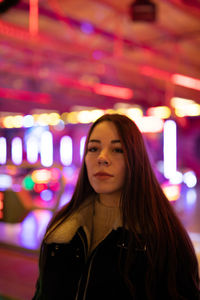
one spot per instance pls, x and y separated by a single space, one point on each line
3 150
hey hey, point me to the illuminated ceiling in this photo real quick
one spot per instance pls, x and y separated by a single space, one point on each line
81 43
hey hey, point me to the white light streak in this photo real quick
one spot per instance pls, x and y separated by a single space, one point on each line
32 149
46 150
82 145
170 149
3 150
66 151
16 150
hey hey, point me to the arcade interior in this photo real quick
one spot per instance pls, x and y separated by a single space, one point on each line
63 64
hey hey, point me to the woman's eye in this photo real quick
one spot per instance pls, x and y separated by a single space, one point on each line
92 149
118 150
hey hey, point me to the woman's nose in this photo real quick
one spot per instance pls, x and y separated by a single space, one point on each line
103 159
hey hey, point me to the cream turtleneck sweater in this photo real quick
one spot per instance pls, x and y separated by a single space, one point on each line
105 219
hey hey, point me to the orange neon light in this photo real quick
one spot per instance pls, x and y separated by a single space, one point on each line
113 91
186 81
33 17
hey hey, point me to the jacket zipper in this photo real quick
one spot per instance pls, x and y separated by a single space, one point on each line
88 274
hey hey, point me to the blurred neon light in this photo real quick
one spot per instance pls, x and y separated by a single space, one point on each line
24 95
28 237
46 151
172 192
43 217
150 124
46 195
185 107
16 151
82 146
66 151
186 81
87 28
191 196
190 179
43 119
177 178
54 119
169 149
162 112
1 205
41 176
28 183
5 182
84 116
28 121
39 187
55 174
66 196
33 17
8 122
155 73
134 113
3 150
179 102
17 121
32 149
113 91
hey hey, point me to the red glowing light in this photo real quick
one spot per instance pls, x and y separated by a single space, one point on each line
186 81
24 95
155 73
39 187
113 91
33 17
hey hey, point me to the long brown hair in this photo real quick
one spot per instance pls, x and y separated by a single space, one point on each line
146 212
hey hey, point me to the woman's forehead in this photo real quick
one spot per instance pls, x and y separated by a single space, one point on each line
105 130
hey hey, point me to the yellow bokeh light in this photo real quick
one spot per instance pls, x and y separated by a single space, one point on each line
162 112
17 121
41 176
54 118
8 122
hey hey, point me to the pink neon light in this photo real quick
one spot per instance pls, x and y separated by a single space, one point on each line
186 81
155 73
113 91
33 17
24 95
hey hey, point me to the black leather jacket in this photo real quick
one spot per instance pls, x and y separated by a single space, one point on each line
68 273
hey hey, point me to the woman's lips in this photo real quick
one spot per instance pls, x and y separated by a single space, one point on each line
102 175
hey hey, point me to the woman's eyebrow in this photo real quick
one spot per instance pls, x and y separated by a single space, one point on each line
98 141
94 141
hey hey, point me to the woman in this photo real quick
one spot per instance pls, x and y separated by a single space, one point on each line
119 237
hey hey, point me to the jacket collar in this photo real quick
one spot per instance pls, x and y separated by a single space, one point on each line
65 231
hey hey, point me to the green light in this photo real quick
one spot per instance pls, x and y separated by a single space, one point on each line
28 183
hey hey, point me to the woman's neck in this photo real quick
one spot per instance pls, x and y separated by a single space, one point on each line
110 200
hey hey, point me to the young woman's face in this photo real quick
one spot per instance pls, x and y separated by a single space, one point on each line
105 161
